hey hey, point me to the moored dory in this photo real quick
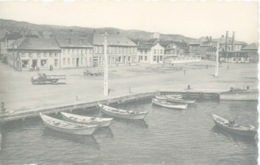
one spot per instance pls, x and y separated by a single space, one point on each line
165 97
166 104
120 113
233 127
101 122
67 127
179 100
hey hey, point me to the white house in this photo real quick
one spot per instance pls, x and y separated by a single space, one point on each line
150 53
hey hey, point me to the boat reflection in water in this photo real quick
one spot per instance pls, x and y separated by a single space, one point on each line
86 140
132 123
235 137
104 132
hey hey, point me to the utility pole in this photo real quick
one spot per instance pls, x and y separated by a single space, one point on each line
105 66
217 60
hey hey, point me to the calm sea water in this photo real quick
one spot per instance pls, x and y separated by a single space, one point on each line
165 137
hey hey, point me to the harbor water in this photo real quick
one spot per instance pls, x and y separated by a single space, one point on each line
166 136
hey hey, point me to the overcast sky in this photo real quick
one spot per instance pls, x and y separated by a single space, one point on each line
193 19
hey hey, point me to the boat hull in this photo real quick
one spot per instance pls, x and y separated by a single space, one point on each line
49 122
247 132
105 110
87 120
168 105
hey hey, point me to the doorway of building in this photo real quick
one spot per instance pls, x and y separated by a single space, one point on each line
34 64
77 62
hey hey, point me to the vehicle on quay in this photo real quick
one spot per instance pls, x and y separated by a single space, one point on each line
43 79
233 127
93 71
179 100
67 127
164 103
120 113
101 122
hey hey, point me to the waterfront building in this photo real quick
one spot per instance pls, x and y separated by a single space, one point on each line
75 51
121 50
150 52
252 50
194 47
34 53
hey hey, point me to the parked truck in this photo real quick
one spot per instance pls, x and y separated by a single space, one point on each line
43 79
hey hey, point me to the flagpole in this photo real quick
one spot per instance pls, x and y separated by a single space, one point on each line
105 66
217 60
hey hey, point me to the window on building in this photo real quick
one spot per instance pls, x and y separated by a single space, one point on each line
154 51
119 59
25 63
81 60
129 59
145 58
161 58
55 62
43 63
154 58
141 57
68 61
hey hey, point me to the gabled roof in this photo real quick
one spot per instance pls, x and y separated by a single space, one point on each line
112 39
148 44
73 42
35 44
252 46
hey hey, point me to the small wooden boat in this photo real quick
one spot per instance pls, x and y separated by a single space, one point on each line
174 96
101 122
165 97
161 97
233 127
166 104
120 113
179 100
67 127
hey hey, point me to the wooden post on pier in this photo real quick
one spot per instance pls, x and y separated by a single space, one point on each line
217 60
105 66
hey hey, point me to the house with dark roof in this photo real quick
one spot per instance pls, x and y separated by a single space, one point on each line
32 53
75 51
120 49
150 52
252 50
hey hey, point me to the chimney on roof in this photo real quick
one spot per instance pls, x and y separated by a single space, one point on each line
226 43
233 41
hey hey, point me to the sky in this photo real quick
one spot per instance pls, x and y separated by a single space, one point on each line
192 19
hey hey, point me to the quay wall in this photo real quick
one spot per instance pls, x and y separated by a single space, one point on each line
190 93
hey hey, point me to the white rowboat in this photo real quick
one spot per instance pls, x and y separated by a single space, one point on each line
166 104
120 113
101 122
67 127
